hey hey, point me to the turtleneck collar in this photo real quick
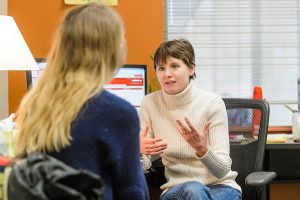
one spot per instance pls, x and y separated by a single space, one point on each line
182 98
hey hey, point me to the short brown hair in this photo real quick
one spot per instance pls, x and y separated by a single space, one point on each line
181 49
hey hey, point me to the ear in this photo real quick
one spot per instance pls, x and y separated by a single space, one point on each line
192 70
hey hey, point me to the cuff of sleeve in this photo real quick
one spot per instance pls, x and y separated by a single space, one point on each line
205 155
146 162
211 161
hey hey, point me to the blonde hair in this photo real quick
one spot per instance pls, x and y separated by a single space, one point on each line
89 47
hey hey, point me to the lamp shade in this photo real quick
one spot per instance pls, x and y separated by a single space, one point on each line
14 52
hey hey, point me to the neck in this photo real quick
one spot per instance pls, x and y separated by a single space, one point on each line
180 99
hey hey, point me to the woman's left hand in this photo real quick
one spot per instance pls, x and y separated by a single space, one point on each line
198 140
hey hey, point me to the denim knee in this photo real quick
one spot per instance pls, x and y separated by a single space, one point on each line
195 189
191 190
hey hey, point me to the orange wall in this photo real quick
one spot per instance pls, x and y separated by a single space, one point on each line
38 20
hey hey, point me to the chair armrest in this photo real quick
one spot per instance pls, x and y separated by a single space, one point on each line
258 179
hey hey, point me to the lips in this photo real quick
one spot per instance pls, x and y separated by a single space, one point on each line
170 82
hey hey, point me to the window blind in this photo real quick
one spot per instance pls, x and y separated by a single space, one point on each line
240 44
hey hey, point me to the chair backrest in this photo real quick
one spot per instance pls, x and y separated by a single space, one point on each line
248 121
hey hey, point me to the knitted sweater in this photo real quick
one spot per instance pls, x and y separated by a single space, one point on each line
105 140
160 111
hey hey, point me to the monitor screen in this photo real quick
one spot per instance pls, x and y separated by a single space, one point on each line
129 83
32 76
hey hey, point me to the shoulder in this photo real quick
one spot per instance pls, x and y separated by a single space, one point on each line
207 96
151 100
113 100
152 97
209 99
106 102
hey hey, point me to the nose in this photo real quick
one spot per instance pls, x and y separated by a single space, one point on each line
168 72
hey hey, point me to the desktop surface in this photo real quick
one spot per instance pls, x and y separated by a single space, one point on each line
281 141
284 159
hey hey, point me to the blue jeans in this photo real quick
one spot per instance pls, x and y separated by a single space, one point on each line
193 190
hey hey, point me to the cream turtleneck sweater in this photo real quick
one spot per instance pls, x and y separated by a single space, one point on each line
160 111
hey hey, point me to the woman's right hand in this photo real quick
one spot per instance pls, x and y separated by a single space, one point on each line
151 146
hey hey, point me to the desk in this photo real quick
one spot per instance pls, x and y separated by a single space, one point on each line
284 159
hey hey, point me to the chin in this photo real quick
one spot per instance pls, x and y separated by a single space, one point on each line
171 92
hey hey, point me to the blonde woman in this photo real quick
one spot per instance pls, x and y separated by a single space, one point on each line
68 114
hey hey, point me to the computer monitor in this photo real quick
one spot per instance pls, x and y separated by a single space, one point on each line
129 83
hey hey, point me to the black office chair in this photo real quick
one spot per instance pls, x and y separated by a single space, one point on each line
248 121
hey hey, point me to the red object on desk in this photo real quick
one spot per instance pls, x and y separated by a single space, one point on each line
257 92
256 115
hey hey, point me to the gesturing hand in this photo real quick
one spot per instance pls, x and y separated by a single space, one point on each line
198 140
151 146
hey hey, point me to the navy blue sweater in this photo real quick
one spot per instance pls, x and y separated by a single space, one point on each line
105 140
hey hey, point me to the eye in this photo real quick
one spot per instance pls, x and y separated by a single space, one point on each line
174 66
160 68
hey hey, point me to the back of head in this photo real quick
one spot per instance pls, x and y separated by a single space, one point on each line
87 50
90 38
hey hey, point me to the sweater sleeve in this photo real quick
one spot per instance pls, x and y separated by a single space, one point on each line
145 120
144 113
128 177
217 158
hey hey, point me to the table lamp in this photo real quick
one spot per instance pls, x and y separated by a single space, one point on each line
14 52
14 55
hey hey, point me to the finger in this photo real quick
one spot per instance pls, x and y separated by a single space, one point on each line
190 125
150 152
149 146
179 123
160 152
155 145
152 140
182 132
183 127
144 131
159 145
155 151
